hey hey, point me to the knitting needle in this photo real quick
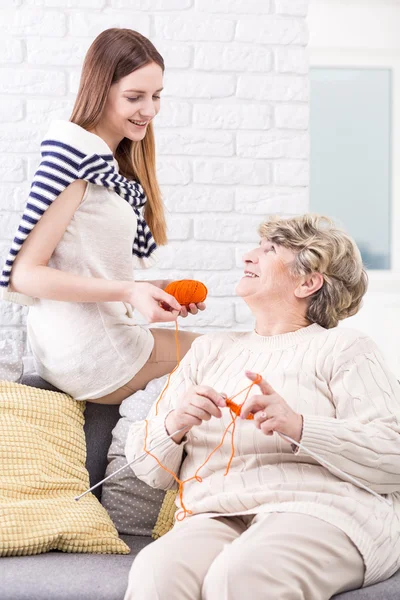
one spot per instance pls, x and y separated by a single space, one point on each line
130 463
289 439
328 464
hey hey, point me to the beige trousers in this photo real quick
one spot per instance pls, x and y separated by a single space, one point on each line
161 361
273 556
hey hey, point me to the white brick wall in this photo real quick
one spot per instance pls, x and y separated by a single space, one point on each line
232 135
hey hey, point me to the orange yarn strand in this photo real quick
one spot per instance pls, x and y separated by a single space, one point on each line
182 290
178 362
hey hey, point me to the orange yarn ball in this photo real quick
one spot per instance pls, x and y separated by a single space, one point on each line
187 291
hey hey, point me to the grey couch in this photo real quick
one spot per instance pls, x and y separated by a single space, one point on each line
59 576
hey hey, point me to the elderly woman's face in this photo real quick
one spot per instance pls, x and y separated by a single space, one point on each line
267 273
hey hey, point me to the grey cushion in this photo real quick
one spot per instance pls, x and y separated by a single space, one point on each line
35 381
132 504
387 590
60 576
100 419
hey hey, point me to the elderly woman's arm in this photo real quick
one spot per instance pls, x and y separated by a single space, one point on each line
169 453
364 438
183 405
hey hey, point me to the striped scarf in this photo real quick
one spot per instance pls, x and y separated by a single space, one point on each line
69 152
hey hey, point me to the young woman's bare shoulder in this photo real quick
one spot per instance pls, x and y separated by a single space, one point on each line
43 239
77 186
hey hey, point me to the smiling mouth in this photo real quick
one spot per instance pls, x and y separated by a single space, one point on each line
249 274
139 123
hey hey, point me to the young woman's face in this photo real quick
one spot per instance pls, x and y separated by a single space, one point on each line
133 102
267 273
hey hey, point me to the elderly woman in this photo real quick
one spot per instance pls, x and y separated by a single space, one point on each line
281 524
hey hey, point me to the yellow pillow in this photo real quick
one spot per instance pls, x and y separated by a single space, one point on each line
166 516
42 469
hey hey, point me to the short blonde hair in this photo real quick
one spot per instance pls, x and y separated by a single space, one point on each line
322 247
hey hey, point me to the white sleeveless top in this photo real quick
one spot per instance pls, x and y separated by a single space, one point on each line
91 349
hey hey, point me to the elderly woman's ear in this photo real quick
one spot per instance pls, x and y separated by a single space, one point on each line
309 285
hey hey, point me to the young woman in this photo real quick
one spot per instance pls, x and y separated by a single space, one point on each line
281 524
83 232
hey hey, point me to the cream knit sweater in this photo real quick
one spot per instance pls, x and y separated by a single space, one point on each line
339 382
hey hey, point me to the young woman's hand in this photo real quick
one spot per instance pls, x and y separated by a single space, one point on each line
198 404
192 309
153 303
271 412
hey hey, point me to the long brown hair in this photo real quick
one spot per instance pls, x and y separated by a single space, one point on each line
114 54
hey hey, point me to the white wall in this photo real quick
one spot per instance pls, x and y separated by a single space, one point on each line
232 132
366 33
359 24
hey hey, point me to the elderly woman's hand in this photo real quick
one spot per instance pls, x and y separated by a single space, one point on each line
271 412
199 403
192 309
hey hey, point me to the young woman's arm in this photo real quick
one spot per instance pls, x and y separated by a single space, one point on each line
31 275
